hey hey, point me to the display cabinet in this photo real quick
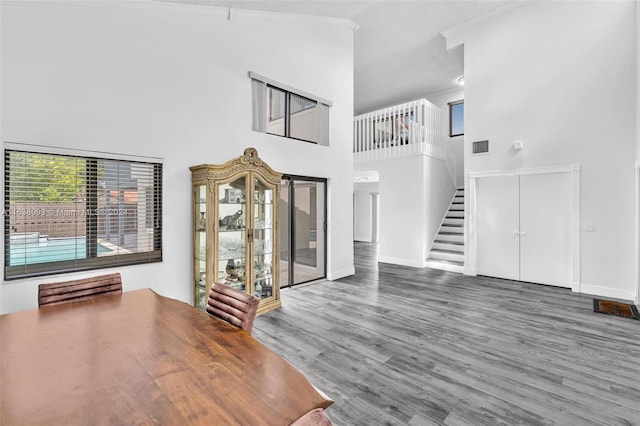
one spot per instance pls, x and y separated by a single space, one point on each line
235 226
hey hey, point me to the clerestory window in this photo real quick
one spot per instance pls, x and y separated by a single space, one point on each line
284 111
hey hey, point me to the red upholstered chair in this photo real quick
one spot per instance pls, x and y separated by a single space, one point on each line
232 305
84 288
316 417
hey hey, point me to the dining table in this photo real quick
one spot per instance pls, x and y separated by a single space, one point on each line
139 358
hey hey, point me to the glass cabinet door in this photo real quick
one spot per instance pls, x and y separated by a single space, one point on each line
263 239
200 262
232 226
235 225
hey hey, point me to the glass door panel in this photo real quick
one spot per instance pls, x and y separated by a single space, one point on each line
232 249
302 230
200 252
263 239
285 234
308 231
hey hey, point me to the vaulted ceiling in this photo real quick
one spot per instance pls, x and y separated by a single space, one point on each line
399 52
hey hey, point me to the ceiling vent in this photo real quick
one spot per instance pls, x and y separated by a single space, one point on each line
480 147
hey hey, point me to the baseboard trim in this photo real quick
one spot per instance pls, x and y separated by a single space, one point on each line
615 293
467 270
336 275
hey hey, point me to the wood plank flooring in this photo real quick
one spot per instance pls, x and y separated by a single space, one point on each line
395 345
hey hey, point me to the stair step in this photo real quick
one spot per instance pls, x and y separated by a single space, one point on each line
445 265
454 214
456 208
451 236
453 242
446 255
448 247
451 230
456 237
458 221
447 262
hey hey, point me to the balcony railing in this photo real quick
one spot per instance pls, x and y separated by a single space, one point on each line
416 127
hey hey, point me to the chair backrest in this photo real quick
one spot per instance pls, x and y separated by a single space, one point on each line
85 288
232 305
315 417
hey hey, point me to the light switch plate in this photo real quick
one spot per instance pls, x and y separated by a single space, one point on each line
588 227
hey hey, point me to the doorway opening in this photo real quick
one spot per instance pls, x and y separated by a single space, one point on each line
375 224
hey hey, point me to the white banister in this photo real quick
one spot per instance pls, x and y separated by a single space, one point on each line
416 127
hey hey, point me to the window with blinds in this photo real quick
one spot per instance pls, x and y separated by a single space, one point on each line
66 213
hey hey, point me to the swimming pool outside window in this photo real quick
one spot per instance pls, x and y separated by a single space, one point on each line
66 213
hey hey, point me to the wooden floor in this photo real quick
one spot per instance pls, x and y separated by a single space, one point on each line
395 345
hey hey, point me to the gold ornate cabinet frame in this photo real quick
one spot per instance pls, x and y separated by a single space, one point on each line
236 230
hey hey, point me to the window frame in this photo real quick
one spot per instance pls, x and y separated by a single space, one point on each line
261 104
451 106
92 260
287 113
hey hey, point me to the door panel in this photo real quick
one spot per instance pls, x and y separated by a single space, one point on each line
309 231
285 233
545 225
497 227
302 231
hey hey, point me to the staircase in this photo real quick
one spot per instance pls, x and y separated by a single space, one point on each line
447 251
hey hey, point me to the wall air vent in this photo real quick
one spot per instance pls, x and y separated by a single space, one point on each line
480 147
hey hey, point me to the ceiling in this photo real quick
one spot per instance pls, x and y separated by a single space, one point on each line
399 52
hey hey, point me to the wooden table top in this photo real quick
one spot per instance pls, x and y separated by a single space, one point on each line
140 358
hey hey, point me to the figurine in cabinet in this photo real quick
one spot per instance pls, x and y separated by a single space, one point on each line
232 221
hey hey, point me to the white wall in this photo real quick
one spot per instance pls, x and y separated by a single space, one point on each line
415 193
363 210
637 228
171 81
442 100
560 76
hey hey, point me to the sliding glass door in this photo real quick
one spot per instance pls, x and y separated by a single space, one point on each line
302 230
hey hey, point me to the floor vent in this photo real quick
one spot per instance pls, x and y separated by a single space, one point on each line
480 147
616 308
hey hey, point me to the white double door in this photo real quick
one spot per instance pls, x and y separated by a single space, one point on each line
523 227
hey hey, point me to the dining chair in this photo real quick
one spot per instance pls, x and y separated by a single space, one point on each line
233 305
315 417
80 289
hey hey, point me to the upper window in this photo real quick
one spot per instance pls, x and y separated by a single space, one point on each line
456 118
283 111
66 213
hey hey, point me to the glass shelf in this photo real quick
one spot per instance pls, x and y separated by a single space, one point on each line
237 243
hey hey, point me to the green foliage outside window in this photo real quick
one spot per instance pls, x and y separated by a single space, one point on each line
53 178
